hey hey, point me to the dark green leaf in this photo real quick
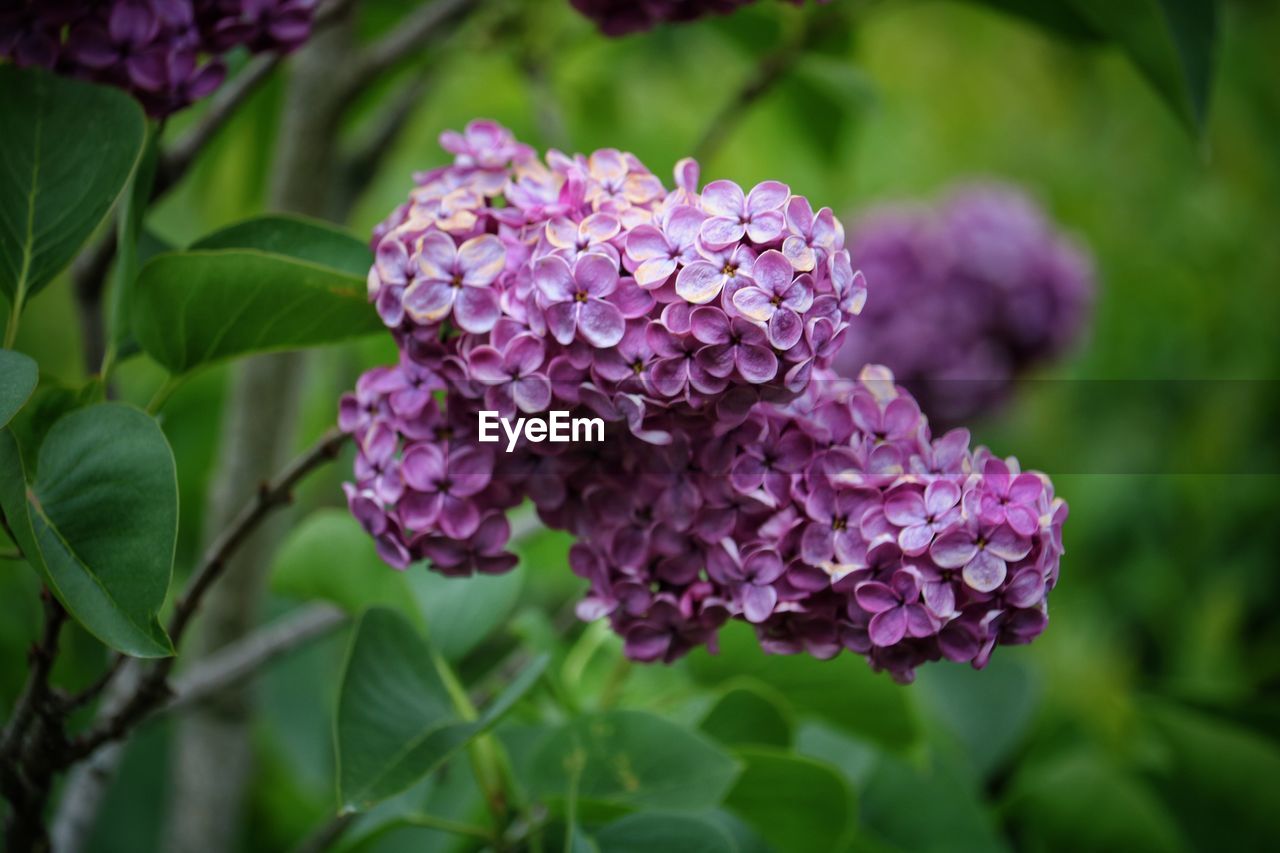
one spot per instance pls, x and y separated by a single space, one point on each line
196 308
670 833
1056 17
395 720
65 154
749 715
634 759
50 402
844 691
1172 42
18 376
794 803
1051 801
295 237
101 521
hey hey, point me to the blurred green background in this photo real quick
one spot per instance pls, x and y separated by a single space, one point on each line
1148 715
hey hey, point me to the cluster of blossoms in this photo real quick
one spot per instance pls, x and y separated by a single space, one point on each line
967 296
619 17
166 53
739 476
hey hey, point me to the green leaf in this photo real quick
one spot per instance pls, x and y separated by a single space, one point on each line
630 758
396 722
670 833
262 285
1051 799
989 711
749 715
330 557
461 612
796 804
18 377
947 812
101 521
295 237
124 272
50 403
1056 17
67 150
1172 42
844 691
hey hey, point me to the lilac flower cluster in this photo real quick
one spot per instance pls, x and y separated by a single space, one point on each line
739 477
164 52
620 17
967 296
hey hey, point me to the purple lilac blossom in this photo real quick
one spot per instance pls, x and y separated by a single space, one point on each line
966 297
740 477
166 53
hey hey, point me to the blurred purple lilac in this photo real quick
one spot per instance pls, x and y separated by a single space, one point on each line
967 296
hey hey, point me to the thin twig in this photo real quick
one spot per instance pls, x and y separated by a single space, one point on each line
360 165
36 690
403 41
153 690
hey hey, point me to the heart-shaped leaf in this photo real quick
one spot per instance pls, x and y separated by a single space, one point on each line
747 715
100 521
66 152
633 759
396 722
267 284
18 377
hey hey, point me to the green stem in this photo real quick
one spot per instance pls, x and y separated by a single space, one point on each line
483 752
11 328
133 206
164 392
613 686
427 821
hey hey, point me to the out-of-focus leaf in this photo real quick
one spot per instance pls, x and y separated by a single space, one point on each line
18 377
100 521
1171 42
1220 778
795 803
1081 802
634 759
329 557
395 720
670 833
951 814
843 691
988 710
1056 17
747 715
208 304
295 237
67 151
461 612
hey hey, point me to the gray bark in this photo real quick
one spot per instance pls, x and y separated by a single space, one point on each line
212 754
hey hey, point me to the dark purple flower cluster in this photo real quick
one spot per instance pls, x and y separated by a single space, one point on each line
738 477
967 296
164 52
620 17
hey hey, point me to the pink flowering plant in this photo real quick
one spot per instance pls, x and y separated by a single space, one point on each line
739 477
